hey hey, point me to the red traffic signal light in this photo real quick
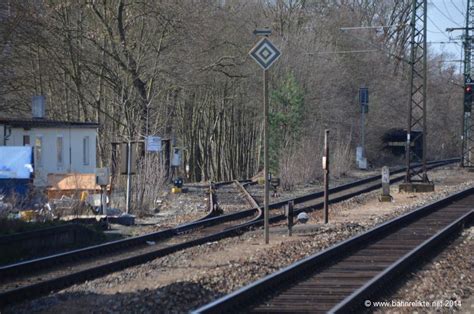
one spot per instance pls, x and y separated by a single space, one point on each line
468 98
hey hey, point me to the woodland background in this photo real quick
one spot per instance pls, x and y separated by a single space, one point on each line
181 70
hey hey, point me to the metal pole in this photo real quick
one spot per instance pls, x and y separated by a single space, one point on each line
416 128
101 201
425 129
265 156
411 78
462 136
468 135
129 169
464 113
362 130
466 141
326 175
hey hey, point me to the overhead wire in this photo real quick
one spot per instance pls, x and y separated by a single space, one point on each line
442 13
434 32
343 51
442 32
437 27
377 48
381 49
442 42
446 8
460 11
450 18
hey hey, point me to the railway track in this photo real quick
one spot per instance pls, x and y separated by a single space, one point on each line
35 277
311 202
341 278
232 197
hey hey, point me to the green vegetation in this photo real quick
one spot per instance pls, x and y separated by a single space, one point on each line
285 116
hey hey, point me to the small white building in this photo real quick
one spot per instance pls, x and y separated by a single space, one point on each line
58 146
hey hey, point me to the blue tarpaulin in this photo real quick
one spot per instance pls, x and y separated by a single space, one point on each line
15 162
20 187
15 169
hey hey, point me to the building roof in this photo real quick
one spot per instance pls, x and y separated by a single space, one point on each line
46 123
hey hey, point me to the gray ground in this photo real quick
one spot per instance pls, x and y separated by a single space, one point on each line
187 279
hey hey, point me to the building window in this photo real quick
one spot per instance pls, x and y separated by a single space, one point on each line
26 140
59 151
39 151
85 150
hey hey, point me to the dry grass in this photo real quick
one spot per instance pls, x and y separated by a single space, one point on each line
342 158
304 163
147 184
300 165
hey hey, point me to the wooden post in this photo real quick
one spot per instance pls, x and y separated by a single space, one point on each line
326 175
289 214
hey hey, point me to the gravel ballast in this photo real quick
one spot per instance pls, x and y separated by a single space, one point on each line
190 278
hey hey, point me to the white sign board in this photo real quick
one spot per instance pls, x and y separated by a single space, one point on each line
153 143
325 163
363 164
15 162
265 53
360 159
102 176
359 154
176 161
385 175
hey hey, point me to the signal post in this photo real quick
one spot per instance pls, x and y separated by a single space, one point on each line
265 54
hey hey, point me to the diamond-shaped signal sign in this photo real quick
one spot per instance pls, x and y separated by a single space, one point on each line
265 53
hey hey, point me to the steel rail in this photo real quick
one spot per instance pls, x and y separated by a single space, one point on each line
44 287
220 200
212 210
344 197
371 289
10 238
32 265
254 293
55 283
221 183
248 196
43 262
16 295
